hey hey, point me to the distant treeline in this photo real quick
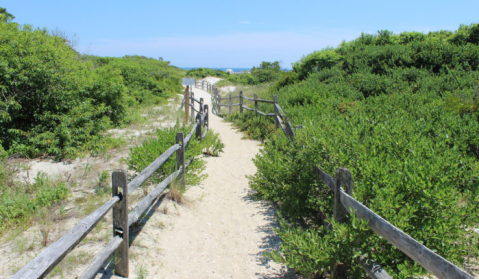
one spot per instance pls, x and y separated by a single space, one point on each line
55 101
401 111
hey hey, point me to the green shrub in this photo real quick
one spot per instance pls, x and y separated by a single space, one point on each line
142 156
400 111
20 202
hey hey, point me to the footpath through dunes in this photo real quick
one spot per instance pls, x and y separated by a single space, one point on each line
221 233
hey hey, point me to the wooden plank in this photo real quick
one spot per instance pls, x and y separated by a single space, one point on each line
180 154
100 259
431 261
120 222
344 180
250 109
192 105
256 104
234 105
241 102
207 117
326 178
187 97
190 134
199 120
46 261
280 111
372 269
277 120
193 109
265 101
148 200
249 99
289 129
148 171
230 104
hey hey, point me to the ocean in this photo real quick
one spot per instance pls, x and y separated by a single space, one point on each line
236 70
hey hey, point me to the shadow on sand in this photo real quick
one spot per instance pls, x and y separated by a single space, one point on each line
270 242
106 271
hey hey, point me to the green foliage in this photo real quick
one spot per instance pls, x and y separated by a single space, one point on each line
5 16
142 156
21 202
58 103
401 112
206 72
315 62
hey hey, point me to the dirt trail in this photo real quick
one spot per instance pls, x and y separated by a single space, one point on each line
222 233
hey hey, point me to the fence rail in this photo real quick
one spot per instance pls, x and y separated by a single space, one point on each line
46 261
344 203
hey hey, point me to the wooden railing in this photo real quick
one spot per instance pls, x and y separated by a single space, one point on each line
344 203
46 261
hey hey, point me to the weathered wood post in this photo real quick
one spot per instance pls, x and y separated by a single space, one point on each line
201 105
203 84
207 117
231 104
180 156
256 103
198 128
192 107
241 101
276 113
187 98
343 179
120 221
218 103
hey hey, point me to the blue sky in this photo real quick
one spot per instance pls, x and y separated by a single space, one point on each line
237 34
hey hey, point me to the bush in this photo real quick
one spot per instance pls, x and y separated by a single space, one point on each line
142 156
400 111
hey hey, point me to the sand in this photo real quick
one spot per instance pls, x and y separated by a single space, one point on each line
220 233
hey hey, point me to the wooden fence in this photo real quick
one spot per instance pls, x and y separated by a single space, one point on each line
46 261
344 203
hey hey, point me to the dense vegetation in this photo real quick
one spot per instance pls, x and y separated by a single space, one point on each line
265 73
142 156
57 102
401 112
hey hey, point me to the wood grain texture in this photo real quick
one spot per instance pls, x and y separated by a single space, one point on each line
100 259
148 171
431 261
120 222
424 256
42 264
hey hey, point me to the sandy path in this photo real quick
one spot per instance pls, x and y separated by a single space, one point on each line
222 233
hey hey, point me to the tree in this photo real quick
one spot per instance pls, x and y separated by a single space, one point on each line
5 16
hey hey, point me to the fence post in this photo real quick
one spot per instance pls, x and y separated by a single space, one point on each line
187 98
203 84
192 107
343 178
207 117
231 104
256 103
241 101
198 128
276 113
180 155
120 221
218 103
201 105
